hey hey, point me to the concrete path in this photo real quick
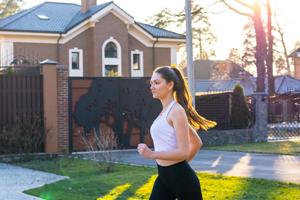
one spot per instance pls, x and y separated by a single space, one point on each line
14 180
254 165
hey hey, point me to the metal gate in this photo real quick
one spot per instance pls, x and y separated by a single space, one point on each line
122 105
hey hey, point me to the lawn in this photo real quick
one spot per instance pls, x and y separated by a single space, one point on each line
288 148
134 182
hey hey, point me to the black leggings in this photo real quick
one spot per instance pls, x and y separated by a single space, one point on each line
176 181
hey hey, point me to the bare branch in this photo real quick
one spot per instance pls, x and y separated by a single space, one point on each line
212 4
235 10
217 13
263 4
245 4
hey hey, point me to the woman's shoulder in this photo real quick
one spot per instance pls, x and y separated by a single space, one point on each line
177 109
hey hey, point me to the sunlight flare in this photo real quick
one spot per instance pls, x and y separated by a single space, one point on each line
114 193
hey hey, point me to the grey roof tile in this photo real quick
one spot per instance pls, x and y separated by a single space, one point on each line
159 32
62 18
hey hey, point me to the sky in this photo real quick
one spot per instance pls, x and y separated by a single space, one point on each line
227 26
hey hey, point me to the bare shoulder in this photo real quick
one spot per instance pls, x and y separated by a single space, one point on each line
177 109
177 112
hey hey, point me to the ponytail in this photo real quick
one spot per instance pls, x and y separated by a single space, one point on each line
184 97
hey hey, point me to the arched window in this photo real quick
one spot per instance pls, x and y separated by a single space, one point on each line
111 50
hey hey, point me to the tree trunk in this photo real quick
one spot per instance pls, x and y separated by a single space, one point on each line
261 48
269 60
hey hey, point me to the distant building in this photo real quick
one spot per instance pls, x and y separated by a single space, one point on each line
212 69
295 55
283 84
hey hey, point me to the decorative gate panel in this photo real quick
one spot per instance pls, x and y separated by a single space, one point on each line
122 106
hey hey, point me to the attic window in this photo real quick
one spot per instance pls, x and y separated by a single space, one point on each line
41 16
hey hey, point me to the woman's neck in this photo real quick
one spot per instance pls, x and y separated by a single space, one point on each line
166 102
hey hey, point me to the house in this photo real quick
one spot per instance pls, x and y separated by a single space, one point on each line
295 55
213 69
90 39
283 84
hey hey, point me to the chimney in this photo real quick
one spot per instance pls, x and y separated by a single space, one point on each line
86 4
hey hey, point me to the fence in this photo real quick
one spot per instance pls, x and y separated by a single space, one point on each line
21 96
284 116
217 107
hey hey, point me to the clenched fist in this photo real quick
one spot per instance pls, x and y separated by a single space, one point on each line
145 151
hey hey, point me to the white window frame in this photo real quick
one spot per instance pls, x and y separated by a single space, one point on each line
140 72
76 72
112 61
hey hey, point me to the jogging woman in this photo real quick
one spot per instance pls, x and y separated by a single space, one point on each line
175 140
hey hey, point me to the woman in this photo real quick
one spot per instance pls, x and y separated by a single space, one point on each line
175 141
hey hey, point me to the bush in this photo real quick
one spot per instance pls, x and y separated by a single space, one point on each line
102 150
23 137
240 117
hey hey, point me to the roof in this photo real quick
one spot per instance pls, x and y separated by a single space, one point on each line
294 53
159 32
203 69
62 18
283 84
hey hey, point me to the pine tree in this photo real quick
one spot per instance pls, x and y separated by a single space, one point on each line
10 7
239 115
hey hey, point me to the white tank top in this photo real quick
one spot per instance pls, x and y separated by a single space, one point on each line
162 133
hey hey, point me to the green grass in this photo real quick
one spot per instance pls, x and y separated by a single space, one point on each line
133 183
287 148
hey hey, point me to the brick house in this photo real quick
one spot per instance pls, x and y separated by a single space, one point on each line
295 55
90 39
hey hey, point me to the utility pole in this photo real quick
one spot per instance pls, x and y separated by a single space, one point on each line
189 49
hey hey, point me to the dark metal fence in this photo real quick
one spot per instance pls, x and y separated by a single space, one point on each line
21 96
217 107
284 116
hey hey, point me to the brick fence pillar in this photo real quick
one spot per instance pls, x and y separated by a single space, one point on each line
260 128
62 108
50 105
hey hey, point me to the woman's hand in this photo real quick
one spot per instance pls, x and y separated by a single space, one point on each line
145 151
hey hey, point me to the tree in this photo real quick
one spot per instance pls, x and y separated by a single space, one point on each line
203 38
280 31
239 112
164 19
10 7
261 44
270 52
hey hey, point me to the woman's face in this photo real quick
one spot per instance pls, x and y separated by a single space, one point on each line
159 86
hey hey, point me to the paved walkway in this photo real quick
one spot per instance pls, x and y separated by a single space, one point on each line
14 180
254 165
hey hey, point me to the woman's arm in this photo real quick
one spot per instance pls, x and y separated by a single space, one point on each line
195 144
181 126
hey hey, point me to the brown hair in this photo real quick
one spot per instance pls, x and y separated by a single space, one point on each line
183 96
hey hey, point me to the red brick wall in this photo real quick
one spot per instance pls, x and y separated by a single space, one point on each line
111 26
162 55
62 109
40 51
91 41
82 41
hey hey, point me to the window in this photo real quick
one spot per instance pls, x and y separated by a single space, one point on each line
136 61
111 69
111 57
42 16
75 60
110 50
